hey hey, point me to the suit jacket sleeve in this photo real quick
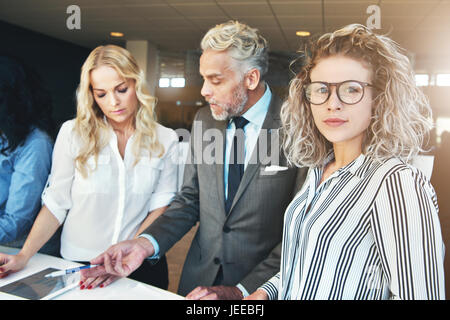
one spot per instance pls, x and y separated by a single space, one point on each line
183 212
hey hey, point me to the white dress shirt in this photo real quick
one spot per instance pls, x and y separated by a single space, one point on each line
255 116
110 204
369 231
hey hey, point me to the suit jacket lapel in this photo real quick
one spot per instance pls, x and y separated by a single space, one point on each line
222 126
272 121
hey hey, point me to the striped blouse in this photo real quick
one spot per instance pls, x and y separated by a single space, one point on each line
369 231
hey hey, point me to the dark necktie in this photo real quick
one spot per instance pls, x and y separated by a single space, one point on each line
237 158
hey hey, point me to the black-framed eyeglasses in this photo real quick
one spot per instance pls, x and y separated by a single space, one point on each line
348 92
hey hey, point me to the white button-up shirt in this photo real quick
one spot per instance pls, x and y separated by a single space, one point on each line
255 116
110 204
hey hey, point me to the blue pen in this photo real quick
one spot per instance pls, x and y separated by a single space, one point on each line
69 271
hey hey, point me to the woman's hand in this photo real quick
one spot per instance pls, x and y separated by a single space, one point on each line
43 228
100 281
12 263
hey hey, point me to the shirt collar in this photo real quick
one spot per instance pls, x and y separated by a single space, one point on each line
257 113
352 167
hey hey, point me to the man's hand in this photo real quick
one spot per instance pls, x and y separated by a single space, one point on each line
215 293
258 295
118 261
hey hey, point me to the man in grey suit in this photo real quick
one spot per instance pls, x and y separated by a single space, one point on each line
239 199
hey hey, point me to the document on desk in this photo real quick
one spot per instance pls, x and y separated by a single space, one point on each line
38 287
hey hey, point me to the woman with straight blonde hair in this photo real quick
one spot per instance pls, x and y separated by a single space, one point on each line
365 224
113 170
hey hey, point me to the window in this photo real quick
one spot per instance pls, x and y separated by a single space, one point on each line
172 82
422 80
443 79
177 82
164 82
171 69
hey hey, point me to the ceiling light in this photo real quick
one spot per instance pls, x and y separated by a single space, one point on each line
116 34
303 33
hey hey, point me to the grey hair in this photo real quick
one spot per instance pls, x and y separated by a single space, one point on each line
244 44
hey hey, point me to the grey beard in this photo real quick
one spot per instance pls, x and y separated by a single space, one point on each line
231 112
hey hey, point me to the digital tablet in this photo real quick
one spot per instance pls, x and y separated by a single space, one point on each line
37 286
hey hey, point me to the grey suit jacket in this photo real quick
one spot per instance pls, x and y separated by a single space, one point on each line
247 241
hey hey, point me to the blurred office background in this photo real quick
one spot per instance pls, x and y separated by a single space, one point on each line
164 36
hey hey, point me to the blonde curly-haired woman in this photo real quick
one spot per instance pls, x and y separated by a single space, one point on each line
365 224
113 169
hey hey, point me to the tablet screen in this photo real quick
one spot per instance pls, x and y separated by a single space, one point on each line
37 286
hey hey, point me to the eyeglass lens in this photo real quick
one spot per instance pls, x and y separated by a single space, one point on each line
349 92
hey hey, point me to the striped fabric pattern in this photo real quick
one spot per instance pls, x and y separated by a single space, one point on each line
370 231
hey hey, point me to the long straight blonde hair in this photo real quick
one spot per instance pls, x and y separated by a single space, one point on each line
90 126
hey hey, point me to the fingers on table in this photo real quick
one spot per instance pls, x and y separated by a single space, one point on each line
101 282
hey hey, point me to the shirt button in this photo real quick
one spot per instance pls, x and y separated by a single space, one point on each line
226 229
216 260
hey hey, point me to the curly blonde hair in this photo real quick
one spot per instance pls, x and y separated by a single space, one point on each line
90 126
401 118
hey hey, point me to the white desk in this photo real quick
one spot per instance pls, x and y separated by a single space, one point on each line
122 289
